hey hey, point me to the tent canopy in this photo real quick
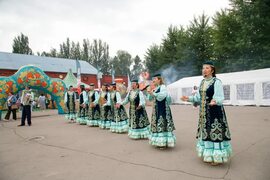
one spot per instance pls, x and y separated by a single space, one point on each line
227 78
240 88
71 80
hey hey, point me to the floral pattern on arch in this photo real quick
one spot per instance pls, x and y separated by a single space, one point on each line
35 78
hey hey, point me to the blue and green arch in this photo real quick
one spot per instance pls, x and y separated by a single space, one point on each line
35 78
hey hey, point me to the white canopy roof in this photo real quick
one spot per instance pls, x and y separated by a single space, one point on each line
227 78
240 88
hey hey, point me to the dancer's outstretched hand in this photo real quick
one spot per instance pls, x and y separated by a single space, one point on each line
184 98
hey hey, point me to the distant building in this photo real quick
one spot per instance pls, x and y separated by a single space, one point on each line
53 67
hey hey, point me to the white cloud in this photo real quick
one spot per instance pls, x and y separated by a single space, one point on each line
131 25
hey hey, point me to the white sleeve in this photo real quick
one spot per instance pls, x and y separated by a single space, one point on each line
162 94
118 98
142 99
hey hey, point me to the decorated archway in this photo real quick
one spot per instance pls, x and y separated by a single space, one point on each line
35 78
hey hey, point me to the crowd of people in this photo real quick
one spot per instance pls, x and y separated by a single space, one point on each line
26 103
106 110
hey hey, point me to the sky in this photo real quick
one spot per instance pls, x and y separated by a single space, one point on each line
130 25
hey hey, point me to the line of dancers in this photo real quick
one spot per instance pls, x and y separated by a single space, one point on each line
106 110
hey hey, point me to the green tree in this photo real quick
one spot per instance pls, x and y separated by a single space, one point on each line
96 53
86 51
169 47
21 45
241 37
100 55
182 50
137 68
226 30
52 53
121 63
75 51
152 58
253 42
65 49
200 41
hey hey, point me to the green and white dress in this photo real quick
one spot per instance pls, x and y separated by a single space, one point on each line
138 119
106 114
81 116
93 112
70 98
119 123
213 132
162 125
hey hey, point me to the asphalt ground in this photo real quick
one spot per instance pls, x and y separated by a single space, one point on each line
52 149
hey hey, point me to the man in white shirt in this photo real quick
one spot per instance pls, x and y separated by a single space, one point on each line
26 101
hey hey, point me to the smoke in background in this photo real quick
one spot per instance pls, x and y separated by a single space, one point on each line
172 73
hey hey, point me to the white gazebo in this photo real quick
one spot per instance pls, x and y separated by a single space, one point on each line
240 88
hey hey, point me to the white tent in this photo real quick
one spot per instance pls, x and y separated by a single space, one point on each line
240 88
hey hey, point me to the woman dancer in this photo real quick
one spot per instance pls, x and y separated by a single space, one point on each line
162 125
106 115
120 121
93 111
70 98
83 106
213 134
138 119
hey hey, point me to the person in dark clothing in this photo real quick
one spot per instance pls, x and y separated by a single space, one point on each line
26 101
213 133
162 124
11 103
83 106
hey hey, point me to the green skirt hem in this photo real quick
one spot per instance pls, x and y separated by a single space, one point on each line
217 152
119 127
162 139
92 123
70 116
142 133
81 121
105 124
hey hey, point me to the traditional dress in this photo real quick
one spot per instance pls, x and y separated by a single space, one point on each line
93 111
81 117
138 119
106 114
213 133
162 125
70 98
120 121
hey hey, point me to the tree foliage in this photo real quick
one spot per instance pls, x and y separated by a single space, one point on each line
137 68
237 39
99 52
21 45
121 63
